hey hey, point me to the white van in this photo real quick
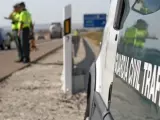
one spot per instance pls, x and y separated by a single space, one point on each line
124 82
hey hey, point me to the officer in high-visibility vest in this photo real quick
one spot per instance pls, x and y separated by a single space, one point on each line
145 10
24 31
134 38
75 41
14 16
76 32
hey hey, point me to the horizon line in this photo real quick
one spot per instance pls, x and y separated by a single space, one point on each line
43 24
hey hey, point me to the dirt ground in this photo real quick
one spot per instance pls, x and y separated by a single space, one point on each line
35 94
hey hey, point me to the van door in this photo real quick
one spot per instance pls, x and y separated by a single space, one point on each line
101 60
105 60
136 84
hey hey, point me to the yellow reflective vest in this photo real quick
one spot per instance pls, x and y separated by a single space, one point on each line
75 33
25 19
15 19
135 37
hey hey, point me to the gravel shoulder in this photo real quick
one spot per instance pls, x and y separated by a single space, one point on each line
35 94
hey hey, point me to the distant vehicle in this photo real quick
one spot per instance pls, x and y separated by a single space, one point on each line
55 30
40 37
5 40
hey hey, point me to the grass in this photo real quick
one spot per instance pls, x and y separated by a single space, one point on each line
95 36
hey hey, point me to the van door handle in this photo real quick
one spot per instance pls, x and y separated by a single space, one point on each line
116 37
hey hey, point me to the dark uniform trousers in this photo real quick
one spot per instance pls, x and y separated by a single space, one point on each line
18 44
25 43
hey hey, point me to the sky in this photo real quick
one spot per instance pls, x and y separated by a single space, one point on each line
47 11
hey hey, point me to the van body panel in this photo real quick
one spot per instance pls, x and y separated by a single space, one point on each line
98 100
105 60
131 65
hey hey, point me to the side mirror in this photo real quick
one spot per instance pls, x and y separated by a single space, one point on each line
146 7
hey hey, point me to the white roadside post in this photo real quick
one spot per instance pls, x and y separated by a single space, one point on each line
67 51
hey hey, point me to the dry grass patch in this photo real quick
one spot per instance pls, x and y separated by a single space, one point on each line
96 37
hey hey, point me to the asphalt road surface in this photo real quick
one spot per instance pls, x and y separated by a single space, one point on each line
8 57
13 45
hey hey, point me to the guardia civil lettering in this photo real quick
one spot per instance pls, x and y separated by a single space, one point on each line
131 71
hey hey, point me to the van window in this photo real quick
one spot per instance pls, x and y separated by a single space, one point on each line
146 6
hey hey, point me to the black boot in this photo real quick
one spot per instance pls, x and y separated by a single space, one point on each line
27 60
19 60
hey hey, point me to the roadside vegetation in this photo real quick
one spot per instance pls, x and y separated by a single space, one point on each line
95 36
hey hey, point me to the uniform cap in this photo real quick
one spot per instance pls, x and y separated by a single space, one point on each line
16 5
22 4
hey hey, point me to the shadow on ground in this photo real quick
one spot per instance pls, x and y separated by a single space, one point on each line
76 43
49 63
81 71
89 57
6 50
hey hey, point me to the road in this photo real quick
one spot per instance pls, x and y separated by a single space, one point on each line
8 57
13 46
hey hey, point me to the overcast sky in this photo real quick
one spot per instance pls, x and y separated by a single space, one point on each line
46 11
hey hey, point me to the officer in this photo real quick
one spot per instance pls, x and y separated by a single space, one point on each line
75 41
135 38
76 32
143 9
14 16
24 31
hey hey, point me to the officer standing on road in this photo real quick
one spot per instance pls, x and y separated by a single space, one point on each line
14 16
135 38
24 31
76 40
